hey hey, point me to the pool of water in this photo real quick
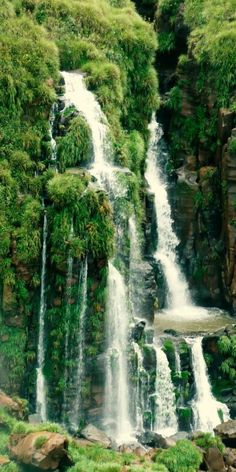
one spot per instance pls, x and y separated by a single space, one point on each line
192 319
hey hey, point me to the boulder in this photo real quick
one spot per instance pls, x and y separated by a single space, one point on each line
138 331
16 407
44 450
230 457
154 440
95 435
227 432
214 460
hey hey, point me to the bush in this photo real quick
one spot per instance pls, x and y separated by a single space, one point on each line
75 148
208 440
184 457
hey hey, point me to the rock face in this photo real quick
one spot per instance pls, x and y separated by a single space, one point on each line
44 450
227 432
95 435
229 213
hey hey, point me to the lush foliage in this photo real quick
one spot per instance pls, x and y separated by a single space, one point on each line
227 347
184 457
207 440
116 49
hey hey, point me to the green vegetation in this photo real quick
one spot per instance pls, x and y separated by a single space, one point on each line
206 51
227 347
75 148
184 457
207 440
115 49
40 441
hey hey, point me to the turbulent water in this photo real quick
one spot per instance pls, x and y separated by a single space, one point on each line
117 394
178 294
121 418
41 405
116 413
180 309
205 407
165 415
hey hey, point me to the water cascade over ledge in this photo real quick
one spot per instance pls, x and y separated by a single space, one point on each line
179 304
207 411
117 385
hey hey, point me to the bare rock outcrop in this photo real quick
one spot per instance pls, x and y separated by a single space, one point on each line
44 450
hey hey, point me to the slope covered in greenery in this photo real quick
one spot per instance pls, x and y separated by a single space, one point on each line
115 48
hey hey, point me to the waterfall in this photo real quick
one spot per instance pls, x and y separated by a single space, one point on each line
178 294
177 361
81 306
139 391
85 102
117 386
165 415
117 393
136 283
41 407
205 407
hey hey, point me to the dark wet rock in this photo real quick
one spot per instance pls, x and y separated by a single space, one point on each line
151 439
138 330
227 432
172 332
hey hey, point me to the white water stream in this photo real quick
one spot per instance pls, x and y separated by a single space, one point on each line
41 404
117 395
179 305
178 294
166 420
117 385
205 407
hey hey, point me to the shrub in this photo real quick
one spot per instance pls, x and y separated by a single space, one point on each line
184 457
75 148
208 440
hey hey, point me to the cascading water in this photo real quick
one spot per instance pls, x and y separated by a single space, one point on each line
117 394
136 285
178 294
139 393
179 305
117 385
85 102
165 415
207 410
41 406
